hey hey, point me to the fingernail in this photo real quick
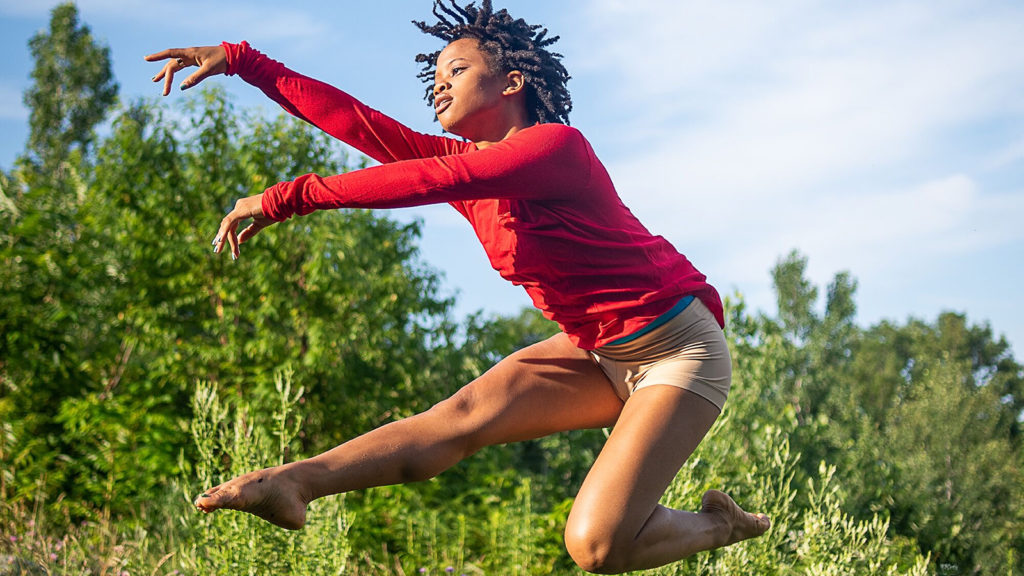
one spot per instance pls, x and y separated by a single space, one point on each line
215 240
184 86
234 257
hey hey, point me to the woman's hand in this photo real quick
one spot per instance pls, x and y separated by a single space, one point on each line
211 60
251 207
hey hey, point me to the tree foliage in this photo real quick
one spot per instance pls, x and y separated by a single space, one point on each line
72 90
922 420
46 300
106 332
122 336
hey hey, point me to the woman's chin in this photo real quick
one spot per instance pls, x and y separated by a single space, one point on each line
449 128
452 126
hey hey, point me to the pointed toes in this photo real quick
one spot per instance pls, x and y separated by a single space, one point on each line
763 522
209 500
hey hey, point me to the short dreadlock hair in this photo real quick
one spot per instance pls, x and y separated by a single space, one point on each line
511 44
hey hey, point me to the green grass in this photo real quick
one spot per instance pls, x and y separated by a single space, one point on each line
509 537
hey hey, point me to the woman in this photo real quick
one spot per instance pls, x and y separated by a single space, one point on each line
641 347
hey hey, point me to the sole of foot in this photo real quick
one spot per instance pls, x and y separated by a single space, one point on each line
268 494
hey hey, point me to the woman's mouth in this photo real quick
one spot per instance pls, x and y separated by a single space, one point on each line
441 104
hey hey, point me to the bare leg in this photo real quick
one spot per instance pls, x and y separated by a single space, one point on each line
616 523
549 387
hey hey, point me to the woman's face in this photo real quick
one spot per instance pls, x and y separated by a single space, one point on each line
468 94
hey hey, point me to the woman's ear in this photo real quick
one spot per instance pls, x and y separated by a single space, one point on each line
514 83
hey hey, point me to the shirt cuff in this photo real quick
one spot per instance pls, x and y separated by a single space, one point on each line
233 53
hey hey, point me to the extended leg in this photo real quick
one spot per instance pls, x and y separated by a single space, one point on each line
616 523
549 387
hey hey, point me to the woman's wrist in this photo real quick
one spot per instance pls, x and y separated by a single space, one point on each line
232 55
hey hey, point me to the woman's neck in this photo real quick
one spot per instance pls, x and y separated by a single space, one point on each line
484 143
512 120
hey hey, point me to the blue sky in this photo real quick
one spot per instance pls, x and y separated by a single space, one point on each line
881 138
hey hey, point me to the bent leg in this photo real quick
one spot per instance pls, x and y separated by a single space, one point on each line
549 387
616 523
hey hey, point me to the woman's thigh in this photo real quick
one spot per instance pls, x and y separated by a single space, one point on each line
549 387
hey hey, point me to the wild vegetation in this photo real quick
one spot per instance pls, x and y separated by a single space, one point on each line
136 369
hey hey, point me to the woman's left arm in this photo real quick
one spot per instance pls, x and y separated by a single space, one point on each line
549 161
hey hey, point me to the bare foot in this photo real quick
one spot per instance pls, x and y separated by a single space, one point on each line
269 494
737 524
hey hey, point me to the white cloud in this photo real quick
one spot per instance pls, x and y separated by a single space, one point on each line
873 137
880 232
763 113
1008 155
791 103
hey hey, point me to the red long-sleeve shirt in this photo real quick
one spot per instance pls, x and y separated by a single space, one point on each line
540 202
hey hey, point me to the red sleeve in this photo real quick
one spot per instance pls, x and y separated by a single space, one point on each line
548 161
335 112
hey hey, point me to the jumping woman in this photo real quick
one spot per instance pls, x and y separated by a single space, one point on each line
641 346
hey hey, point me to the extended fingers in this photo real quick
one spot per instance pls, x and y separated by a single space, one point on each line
250 231
198 76
163 54
231 239
167 73
178 59
226 233
169 70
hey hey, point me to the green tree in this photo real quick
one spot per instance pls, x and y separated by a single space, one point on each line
338 297
72 90
45 300
795 296
134 308
922 420
947 431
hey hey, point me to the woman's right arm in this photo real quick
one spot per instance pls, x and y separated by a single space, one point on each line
326 107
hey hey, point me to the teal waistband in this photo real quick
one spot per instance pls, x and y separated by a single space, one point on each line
672 313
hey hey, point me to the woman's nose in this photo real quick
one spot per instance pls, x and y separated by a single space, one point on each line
438 88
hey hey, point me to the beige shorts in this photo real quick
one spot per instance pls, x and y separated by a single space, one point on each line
689 352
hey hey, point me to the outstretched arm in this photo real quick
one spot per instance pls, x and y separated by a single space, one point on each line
544 162
334 111
322 105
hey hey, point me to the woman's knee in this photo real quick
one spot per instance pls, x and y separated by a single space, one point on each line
436 439
459 417
595 549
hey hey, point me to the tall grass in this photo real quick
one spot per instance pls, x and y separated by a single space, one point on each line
229 442
810 535
169 537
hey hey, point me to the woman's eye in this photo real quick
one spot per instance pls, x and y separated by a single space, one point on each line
457 71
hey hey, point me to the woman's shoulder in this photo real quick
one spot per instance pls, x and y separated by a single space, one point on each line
554 129
553 135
